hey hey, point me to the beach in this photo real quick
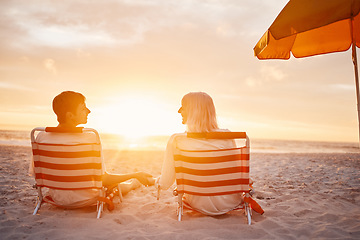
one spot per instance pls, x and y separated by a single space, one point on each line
304 195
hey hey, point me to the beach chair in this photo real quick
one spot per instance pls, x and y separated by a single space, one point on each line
62 162
212 172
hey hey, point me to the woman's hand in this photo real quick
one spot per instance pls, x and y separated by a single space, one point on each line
145 178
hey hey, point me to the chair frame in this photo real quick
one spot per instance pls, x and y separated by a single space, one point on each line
218 135
40 197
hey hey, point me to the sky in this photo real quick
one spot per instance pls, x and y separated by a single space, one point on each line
135 59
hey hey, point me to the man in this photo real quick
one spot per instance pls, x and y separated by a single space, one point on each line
71 111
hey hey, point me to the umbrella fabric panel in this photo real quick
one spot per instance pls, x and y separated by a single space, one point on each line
332 38
302 15
335 37
269 48
305 38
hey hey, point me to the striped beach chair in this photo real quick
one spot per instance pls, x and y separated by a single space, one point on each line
63 162
213 172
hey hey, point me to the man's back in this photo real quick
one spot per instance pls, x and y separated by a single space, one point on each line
63 157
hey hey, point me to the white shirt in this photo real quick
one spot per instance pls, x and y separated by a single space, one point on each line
209 205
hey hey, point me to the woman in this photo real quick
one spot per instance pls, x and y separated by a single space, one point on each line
198 113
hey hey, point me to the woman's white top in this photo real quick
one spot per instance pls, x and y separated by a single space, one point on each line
209 205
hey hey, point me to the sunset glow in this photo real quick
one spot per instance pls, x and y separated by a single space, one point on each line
135 117
134 61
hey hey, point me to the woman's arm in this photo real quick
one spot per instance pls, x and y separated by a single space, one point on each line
167 177
111 179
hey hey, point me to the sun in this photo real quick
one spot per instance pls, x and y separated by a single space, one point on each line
136 116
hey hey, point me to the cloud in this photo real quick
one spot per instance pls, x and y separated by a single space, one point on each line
49 65
80 53
63 36
13 86
102 23
266 74
272 73
71 24
343 87
253 82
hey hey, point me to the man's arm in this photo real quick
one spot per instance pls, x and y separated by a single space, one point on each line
111 179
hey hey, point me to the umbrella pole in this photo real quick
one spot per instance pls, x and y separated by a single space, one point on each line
354 58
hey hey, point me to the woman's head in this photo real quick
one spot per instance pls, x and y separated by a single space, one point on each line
198 112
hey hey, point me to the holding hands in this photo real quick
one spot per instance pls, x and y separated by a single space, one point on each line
145 178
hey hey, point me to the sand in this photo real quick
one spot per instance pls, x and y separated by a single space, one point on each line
305 196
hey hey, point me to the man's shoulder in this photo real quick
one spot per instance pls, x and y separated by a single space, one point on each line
67 138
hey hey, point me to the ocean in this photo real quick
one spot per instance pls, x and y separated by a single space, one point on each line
158 143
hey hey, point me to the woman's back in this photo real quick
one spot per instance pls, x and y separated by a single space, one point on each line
210 205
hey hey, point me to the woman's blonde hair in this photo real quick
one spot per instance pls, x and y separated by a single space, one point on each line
201 114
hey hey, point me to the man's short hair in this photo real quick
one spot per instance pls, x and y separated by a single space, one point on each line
67 101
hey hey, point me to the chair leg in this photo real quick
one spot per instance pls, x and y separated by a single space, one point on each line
247 209
100 204
39 199
180 207
158 192
100 207
180 213
248 212
38 205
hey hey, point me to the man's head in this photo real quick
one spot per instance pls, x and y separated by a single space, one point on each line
70 108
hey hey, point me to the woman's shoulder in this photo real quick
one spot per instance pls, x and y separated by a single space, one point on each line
179 135
176 136
222 130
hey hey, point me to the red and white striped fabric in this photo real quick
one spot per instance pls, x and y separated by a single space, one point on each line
67 161
212 172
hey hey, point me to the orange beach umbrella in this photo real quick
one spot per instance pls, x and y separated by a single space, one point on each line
312 27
